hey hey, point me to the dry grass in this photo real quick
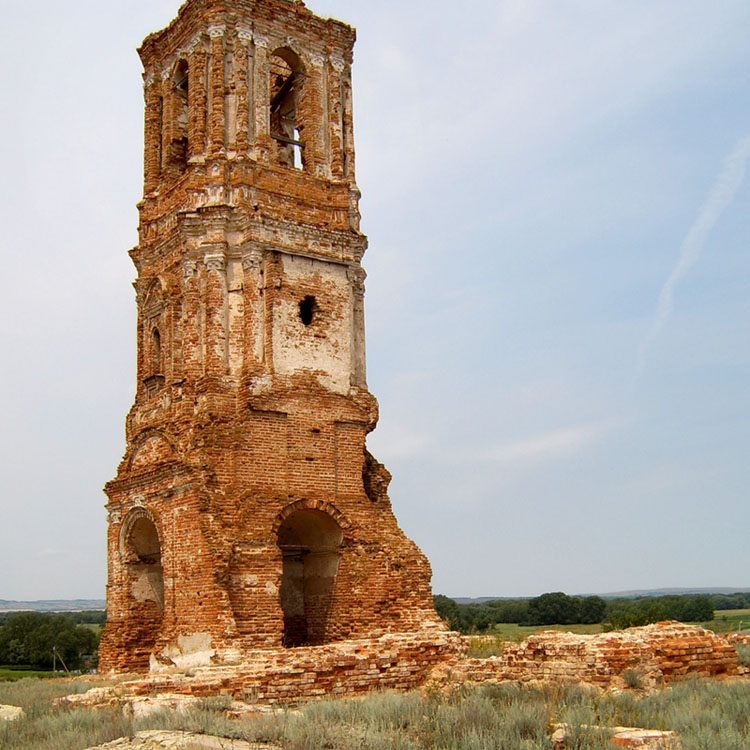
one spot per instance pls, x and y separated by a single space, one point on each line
707 715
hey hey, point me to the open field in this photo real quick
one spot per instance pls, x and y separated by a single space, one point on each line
707 715
728 620
11 674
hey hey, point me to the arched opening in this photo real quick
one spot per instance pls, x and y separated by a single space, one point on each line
143 583
310 541
178 146
286 77
156 367
140 550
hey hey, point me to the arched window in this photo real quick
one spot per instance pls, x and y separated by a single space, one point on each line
181 78
178 146
286 78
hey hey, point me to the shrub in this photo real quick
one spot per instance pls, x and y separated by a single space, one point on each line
633 679
743 652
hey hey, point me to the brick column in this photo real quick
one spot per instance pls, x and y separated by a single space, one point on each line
197 98
242 76
357 278
335 117
152 134
215 300
192 334
272 283
168 116
217 91
252 285
314 117
347 123
261 103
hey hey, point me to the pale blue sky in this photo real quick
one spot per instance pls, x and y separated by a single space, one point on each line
536 175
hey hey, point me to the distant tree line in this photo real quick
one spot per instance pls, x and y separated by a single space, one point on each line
626 613
730 601
29 638
560 609
88 617
92 617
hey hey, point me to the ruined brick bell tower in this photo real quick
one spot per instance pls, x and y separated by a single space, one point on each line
247 513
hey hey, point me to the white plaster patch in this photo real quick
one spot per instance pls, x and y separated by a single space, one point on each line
193 650
146 587
271 589
324 346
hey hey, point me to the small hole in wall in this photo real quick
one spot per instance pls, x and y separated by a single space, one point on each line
307 310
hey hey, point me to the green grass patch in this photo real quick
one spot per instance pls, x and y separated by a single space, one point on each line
728 620
10 674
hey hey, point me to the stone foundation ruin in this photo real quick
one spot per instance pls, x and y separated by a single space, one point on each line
644 659
247 519
656 655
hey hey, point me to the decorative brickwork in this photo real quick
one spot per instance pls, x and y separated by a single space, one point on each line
247 513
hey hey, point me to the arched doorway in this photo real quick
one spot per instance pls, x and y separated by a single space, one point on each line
310 541
140 553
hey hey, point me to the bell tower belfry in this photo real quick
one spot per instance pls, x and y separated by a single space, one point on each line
247 513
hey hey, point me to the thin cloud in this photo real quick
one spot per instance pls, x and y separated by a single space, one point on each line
550 445
725 188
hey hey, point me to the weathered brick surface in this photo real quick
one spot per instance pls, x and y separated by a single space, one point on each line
738 638
246 513
400 661
660 653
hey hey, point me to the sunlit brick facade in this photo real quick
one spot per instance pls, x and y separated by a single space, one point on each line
247 513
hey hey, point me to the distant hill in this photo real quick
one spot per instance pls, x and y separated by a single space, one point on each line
668 592
632 594
53 605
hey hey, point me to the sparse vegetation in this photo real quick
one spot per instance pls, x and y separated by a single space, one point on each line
705 714
484 646
633 679
743 651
